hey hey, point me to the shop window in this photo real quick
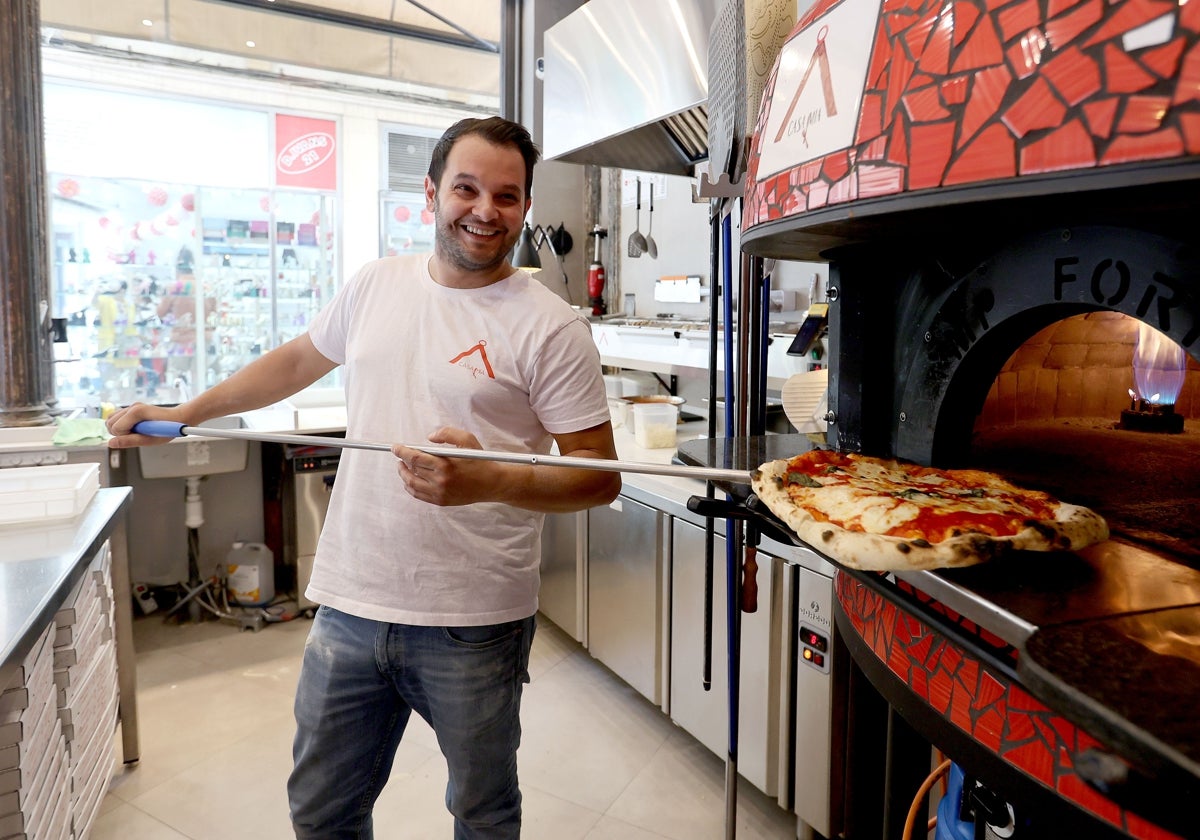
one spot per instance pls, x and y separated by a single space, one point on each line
168 289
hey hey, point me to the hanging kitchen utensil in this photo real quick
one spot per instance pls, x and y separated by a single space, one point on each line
166 428
651 245
637 242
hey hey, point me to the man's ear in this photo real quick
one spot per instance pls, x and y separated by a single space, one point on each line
431 193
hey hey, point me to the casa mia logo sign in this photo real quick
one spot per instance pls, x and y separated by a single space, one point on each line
306 153
818 87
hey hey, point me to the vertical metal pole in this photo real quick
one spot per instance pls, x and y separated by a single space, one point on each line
734 427
126 656
716 291
758 418
25 353
733 613
510 62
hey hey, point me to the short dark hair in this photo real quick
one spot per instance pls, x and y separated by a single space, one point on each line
495 130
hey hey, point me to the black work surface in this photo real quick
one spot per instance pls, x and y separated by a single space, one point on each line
744 453
1132 681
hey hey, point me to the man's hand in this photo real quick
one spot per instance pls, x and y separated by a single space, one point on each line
121 421
548 489
448 481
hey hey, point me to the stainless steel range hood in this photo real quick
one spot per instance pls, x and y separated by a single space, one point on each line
626 85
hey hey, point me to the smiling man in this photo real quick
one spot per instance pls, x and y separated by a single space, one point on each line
427 567
477 215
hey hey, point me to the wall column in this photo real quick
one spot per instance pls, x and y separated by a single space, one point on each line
26 379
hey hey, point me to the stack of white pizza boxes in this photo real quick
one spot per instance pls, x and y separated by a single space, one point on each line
85 672
35 788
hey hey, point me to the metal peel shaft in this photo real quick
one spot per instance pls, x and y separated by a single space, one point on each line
161 428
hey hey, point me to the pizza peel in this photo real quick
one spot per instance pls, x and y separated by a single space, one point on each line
168 429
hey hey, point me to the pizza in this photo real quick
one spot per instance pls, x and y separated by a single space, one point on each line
890 515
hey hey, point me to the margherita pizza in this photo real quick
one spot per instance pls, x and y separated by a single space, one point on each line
888 515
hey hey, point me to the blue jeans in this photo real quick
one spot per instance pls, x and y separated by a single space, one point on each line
360 681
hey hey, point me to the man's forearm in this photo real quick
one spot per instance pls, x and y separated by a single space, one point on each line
265 381
560 489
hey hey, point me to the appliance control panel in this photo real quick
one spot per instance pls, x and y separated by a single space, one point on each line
814 619
315 463
814 648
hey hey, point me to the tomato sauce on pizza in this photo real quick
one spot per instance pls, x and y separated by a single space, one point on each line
899 499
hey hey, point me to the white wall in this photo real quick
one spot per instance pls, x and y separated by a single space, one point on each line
558 199
681 231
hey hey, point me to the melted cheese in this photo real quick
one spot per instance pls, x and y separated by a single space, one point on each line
880 498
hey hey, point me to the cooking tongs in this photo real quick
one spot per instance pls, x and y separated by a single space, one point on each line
165 428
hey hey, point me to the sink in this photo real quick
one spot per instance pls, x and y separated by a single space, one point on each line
192 456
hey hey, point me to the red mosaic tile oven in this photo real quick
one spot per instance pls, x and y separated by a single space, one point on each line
1007 194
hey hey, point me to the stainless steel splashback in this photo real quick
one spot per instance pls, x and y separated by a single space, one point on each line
626 85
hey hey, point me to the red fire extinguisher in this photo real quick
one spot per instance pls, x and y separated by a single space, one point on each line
595 277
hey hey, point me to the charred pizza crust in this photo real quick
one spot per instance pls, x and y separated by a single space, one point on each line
1072 528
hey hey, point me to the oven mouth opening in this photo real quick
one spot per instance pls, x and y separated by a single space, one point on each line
1063 416
1146 490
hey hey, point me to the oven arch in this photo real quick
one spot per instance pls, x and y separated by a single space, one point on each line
962 333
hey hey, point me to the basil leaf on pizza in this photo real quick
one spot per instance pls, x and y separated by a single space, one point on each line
889 515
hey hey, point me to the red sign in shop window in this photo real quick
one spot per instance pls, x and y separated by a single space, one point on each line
305 152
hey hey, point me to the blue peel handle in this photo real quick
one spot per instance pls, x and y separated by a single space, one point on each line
158 428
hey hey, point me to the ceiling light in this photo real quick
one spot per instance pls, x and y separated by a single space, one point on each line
147 22
249 43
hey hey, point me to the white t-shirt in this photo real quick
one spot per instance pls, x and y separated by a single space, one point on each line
511 363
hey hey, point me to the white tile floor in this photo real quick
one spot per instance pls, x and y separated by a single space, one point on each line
597 761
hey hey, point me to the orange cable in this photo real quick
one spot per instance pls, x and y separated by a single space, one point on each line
922 791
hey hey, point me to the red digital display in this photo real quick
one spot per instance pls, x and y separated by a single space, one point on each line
813 639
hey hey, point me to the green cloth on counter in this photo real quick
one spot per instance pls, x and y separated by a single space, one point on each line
80 430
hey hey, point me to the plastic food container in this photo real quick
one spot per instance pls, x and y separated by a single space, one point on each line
619 411
59 491
654 425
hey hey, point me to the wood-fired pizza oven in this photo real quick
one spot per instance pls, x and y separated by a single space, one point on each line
1006 195
1027 357
1021 356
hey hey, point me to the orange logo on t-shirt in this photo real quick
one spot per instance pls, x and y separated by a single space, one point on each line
462 360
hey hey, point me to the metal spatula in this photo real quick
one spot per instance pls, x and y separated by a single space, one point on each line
651 245
637 242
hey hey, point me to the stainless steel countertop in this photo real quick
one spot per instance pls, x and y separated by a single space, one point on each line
39 565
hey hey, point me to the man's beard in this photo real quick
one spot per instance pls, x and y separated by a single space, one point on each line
449 247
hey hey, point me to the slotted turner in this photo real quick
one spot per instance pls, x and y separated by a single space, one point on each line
637 242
